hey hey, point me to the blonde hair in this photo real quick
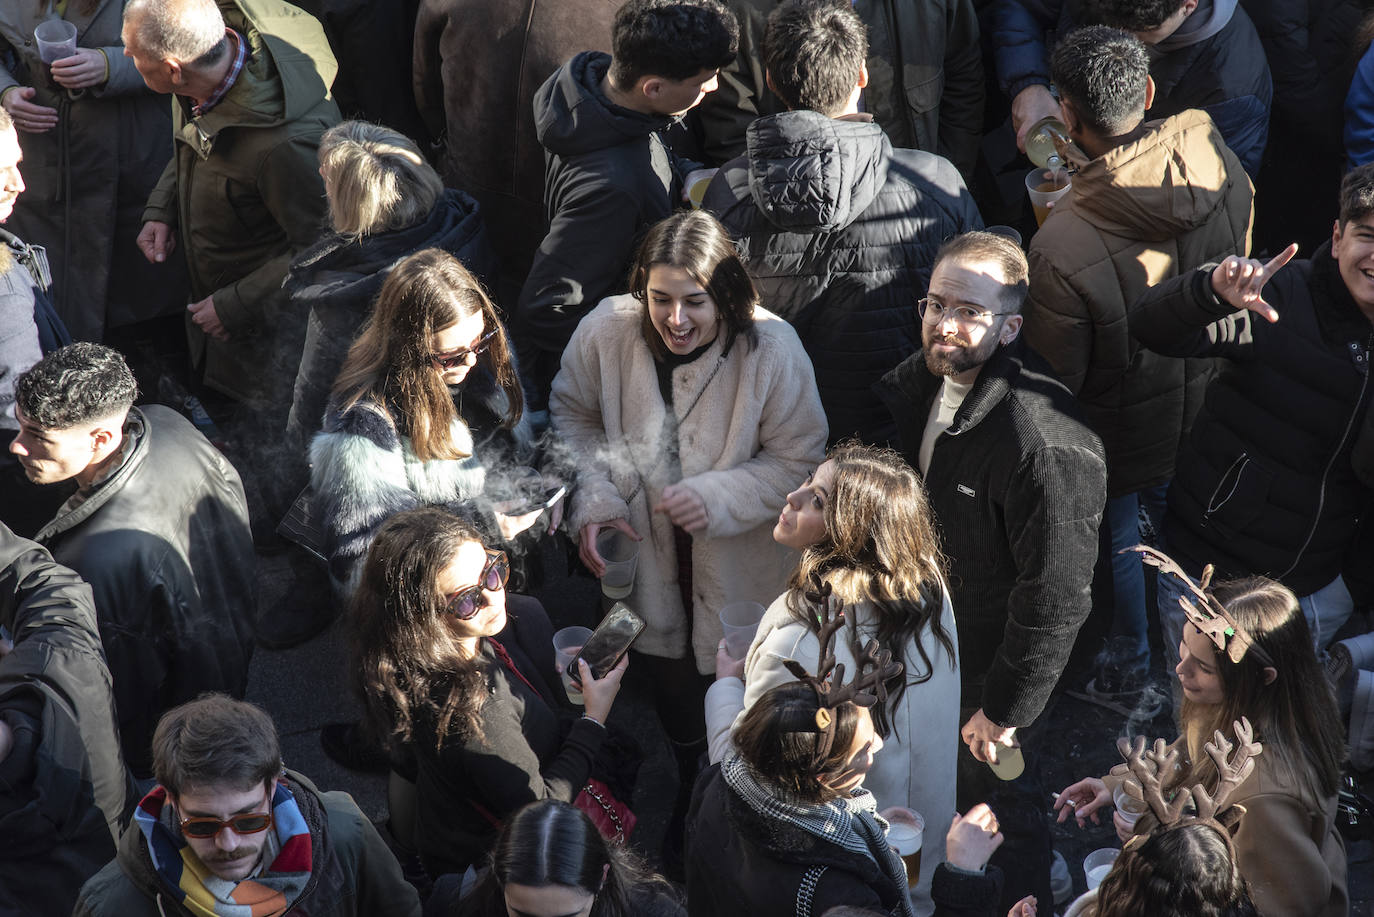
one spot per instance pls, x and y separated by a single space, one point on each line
376 179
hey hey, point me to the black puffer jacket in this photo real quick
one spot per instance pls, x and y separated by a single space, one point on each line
164 543
64 791
610 177
739 862
1264 482
840 233
1017 485
338 278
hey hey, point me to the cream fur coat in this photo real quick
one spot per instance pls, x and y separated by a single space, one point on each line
750 440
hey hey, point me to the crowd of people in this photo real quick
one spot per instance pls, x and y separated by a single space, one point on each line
422 296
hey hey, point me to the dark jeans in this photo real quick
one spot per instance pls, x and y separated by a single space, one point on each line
1021 807
677 691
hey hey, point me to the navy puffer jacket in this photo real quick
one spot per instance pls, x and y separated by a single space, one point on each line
840 233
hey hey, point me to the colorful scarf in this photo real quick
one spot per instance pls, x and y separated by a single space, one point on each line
200 891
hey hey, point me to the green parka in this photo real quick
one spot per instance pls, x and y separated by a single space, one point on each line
243 190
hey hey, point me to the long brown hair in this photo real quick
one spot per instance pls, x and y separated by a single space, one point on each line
402 646
696 242
880 547
777 739
1295 715
390 364
1183 871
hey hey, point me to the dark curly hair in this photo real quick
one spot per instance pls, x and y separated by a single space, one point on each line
1132 15
1185 871
1103 73
672 39
78 384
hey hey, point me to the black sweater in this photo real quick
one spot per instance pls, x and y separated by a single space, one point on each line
1017 485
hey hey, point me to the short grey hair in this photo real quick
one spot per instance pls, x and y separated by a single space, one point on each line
179 30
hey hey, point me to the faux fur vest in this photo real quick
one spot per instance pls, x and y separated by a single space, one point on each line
363 469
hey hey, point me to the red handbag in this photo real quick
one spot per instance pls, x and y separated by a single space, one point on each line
612 818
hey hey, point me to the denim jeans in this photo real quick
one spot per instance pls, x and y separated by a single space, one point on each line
1130 620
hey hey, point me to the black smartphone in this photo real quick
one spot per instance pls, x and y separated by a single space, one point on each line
540 502
609 642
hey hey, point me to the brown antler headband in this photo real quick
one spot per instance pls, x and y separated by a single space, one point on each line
874 667
1205 612
1154 769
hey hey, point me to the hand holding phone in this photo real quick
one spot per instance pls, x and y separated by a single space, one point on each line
609 643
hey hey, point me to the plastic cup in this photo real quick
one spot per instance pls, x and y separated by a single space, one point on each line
621 554
740 621
696 184
1128 807
1010 763
1045 187
56 39
906 828
567 643
1097 864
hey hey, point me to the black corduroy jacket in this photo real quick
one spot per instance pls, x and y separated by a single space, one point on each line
1017 485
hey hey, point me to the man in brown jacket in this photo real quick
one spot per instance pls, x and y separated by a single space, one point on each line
1150 200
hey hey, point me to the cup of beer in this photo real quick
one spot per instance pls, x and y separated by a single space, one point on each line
567 643
905 828
1045 186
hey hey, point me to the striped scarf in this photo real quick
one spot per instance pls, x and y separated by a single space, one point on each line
199 890
849 822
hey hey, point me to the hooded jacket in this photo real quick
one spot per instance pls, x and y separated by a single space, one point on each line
164 543
1264 481
1214 61
925 79
243 190
87 177
840 231
1017 485
19 347
1139 214
353 874
65 794
610 177
338 278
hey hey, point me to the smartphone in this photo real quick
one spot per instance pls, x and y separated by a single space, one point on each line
540 503
609 642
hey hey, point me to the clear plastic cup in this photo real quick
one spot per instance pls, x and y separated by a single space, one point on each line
1128 807
1097 864
567 643
740 621
621 554
56 39
906 828
1046 186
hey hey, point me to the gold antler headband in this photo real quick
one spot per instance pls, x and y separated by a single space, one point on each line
1205 612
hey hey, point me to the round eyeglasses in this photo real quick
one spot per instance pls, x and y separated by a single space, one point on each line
465 603
933 312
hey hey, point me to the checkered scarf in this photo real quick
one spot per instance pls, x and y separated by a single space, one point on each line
850 822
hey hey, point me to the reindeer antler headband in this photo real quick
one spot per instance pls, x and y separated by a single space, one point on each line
1154 770
1204 611
874 667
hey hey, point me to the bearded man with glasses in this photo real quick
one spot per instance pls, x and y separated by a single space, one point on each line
1017 482
228 830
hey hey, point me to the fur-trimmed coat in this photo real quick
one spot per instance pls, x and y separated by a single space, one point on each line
363 469
750 439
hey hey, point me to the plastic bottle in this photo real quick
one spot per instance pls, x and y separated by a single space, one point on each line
1041 142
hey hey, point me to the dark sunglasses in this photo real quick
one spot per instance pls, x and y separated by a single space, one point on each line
465 603
459 357
205 827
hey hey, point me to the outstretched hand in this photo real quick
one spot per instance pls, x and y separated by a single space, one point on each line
1240 281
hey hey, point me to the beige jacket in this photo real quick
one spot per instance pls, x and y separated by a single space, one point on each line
1171 201
752 437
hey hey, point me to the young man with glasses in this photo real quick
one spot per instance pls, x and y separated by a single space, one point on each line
1017 483
227 830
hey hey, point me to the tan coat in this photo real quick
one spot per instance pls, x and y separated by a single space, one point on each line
1140 214
750 440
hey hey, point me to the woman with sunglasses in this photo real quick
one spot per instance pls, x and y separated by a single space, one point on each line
463 675
1247 652
426 410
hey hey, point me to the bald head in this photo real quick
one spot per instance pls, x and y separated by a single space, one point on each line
186 31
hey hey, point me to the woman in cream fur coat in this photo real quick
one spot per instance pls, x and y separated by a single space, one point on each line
689 412
864 529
